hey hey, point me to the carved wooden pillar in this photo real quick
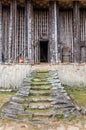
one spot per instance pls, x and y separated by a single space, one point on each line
76 30
30 29
0 31
53 33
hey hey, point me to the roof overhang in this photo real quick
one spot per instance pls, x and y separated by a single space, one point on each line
45 3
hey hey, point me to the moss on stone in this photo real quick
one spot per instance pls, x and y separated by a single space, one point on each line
78 95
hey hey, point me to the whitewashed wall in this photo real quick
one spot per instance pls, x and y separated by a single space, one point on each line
72 74
11 76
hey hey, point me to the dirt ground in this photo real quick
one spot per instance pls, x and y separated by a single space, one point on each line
79 124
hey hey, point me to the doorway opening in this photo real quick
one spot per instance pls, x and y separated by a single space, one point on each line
44 51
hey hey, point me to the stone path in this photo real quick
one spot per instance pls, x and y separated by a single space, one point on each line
40 97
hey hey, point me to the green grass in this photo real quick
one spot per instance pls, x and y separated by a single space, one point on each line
78 95
24 117
59 116
4 98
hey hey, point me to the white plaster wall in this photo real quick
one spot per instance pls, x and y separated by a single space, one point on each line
11 76
72 74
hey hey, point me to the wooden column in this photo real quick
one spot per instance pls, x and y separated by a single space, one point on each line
30 38
76 30
15 28
53 33
10 34
12 31
58 33
0 31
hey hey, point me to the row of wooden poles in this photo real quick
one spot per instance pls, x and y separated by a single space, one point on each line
13 28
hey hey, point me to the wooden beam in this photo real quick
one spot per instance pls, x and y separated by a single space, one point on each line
76 30
0 31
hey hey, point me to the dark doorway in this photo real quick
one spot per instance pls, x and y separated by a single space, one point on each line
44 51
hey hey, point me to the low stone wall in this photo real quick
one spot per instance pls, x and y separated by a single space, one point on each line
72 74
11 76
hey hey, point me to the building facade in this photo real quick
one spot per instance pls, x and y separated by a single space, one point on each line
42 31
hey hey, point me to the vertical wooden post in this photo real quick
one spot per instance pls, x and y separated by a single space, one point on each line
26 30
15 27
76 30
29 15
58 33
12 39
10 33
0 31
56 46
53 31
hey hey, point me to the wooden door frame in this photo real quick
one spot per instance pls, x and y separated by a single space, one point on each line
47 41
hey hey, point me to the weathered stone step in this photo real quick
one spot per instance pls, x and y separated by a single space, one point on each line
40 119
17 99
42 74
41 87
40 99
40 92
16 105
39 80
38 112
40 105
39 83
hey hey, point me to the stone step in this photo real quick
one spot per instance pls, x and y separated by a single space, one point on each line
39 83
39 80
40 105
40 92
38 112
41 87
40 99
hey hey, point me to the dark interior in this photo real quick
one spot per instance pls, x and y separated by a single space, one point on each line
44 51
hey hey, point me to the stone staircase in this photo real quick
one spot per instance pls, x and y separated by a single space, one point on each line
40 97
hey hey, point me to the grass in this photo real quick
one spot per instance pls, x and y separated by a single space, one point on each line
4 97
78 95
24 117
59 116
